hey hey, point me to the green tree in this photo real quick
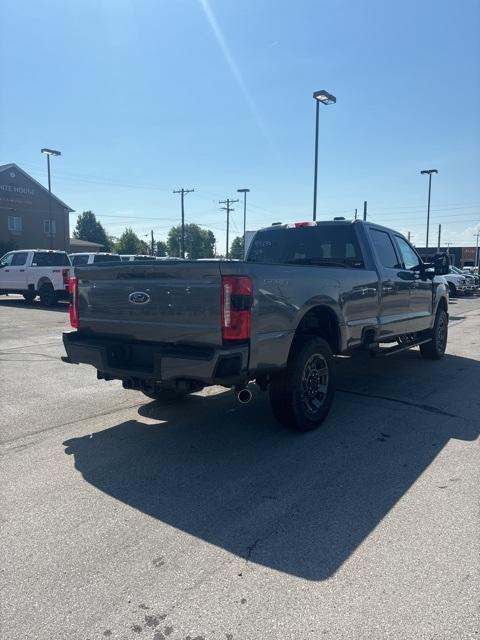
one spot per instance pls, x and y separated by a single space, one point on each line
236 248
161 248
130 243
90 229
199 243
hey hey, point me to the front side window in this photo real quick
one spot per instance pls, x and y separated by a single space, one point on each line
50 259
15 224
384 249
19 259
7 259
46 227
409 256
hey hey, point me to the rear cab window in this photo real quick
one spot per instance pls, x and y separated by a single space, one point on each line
104 258
323 245
76 260
50 259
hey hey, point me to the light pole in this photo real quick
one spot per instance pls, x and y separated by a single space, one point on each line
428 172
244 191
50 152
325 98
476 235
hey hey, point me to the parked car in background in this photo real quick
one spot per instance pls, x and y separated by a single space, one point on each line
36 272
136 258
471 282
93 258
457 283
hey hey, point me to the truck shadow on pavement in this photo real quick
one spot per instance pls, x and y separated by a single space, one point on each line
36 305
299 504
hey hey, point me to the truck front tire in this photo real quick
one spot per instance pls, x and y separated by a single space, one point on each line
301 397
29 296
435 348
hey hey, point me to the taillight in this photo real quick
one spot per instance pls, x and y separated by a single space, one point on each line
66 276
74 306
237 298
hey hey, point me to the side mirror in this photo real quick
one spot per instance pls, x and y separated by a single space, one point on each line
2 265
441 263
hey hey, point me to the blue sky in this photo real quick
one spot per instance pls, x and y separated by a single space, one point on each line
146 96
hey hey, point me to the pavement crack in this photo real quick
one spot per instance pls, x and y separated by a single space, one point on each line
417 405
252 547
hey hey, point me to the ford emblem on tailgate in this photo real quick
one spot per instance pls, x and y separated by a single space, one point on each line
139 297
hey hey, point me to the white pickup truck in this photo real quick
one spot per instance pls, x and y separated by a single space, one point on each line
33 273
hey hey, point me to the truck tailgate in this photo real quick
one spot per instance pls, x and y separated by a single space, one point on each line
173 303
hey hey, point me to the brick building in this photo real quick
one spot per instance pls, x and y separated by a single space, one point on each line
24 213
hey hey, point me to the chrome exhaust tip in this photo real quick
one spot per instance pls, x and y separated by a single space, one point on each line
244 395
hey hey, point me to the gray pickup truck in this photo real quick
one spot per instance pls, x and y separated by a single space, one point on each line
306 292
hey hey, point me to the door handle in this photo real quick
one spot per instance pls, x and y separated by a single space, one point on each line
7 270
22 270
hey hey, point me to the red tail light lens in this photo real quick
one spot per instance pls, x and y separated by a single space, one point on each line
74 306
66 276
237 299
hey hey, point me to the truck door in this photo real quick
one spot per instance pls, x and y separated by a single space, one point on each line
395 285
18 274
421 298
6 275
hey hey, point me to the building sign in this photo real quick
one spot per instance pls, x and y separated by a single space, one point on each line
11 188
468 253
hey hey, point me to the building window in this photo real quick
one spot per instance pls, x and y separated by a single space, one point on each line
15 224
46 227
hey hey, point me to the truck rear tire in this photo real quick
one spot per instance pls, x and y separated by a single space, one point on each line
435 348
301 397
47 295
452 290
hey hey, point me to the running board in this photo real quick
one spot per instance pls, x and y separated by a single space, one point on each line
391 351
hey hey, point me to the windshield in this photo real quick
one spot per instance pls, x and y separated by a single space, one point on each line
324 245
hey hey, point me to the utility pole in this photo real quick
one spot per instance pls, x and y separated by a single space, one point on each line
365 210
408 236
153 243
439 236
476 235
182 193
244 191
356 212
429 173
228 208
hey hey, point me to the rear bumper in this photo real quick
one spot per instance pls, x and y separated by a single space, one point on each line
165 363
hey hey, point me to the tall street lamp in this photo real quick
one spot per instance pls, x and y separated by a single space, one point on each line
50 152
244 191
428 172
325 98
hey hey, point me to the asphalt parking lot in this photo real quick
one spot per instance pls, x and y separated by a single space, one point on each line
123 518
